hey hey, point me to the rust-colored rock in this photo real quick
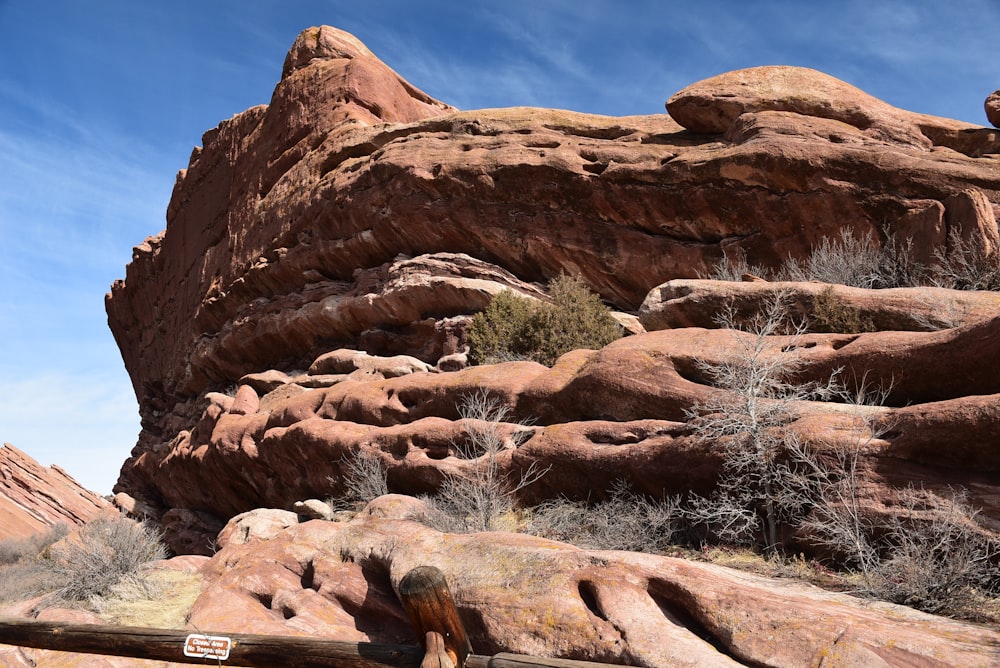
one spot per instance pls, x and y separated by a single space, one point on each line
526 595
296 227
618 413
33 498
992 105
699 303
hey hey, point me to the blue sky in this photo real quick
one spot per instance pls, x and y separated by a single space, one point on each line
101 102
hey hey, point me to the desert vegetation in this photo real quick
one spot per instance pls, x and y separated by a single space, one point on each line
100 564
515 327
866 262
774 491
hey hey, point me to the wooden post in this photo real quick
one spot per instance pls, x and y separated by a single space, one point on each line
428 602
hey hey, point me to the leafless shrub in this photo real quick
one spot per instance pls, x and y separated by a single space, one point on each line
24 549
936 558
758 490
485 495
967 265
929 553
733 266
105 552
24 568
625 521
859 262
364 478
25 579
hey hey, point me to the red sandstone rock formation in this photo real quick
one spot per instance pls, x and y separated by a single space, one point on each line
273 228
522 594
34 498
355 212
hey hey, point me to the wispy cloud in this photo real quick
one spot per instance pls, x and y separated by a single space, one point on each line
85 423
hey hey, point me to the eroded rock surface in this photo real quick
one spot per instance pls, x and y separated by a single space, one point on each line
355 211
324 252
33 497
527 595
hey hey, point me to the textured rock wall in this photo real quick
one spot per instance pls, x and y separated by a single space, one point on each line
355 211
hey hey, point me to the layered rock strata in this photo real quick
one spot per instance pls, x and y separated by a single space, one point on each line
34 498
356 212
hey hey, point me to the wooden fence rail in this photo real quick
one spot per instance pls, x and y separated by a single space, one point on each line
424 594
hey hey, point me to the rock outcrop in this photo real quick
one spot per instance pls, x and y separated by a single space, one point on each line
284 233
700 303
356 213
521 594
34 498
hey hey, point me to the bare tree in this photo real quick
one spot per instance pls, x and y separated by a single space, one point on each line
759 489
481 497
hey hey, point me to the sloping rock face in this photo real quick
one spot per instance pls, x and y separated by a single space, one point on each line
516 593
355 212
34 498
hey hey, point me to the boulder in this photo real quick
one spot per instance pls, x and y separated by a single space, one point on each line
313 509
712 106
246 401
992 105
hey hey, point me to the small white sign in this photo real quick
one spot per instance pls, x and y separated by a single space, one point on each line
210 647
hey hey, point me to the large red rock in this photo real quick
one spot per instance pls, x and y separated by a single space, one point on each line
526 595
700 303
532 596
34 498
277 224
597 417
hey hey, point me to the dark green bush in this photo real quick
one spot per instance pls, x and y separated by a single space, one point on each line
515 327
499 332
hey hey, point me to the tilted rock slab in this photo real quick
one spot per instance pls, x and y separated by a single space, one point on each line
33 498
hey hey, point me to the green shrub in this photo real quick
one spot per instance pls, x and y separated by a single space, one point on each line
832 314
515 327
499 332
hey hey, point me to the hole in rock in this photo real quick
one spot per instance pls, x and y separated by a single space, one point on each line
287 612
588 593
595 168
308 576
678 606
265 599
843 343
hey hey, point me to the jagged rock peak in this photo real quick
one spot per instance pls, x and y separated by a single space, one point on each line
323 42
364 78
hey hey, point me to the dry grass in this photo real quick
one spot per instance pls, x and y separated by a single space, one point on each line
163 601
